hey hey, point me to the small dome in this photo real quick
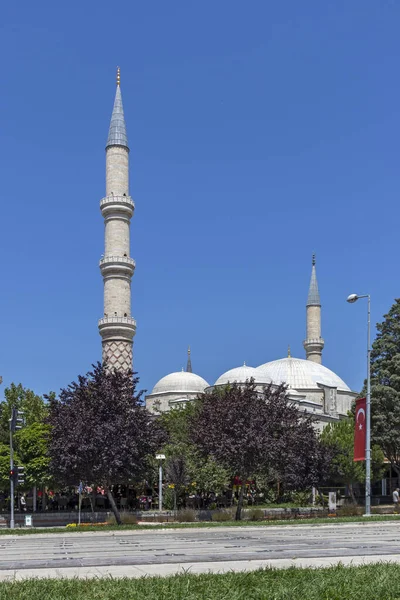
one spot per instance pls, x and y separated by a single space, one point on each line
300 374
180 382
241 375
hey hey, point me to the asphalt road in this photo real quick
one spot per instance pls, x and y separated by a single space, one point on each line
191 546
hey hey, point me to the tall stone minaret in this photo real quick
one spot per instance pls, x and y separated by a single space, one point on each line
117 327
314 343
189 362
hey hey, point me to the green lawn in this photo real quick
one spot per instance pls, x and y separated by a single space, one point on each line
272 523
372 582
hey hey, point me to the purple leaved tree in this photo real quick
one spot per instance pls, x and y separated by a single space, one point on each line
251 432
100 431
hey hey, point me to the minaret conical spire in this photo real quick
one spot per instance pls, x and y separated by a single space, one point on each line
313 293
314 343
117 132
117 327
189 362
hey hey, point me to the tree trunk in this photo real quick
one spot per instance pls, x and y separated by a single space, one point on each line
175 501
44 499
92 498
397 471
320 494
113 506
240 502
352 495
34 501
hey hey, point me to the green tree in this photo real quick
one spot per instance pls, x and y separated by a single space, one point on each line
205 472
35 409
33 444
339 437
178 476
385 387
209 475
30 442
4 467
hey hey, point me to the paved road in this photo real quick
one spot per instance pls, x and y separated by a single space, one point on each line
164 551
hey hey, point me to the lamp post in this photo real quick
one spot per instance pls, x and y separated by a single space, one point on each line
353 298
160 457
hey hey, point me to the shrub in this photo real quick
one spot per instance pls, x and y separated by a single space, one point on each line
321 500
350 510
126 518
186 515
301 498
222 515
255 514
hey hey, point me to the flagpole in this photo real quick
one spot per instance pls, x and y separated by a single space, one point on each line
368 440
351 299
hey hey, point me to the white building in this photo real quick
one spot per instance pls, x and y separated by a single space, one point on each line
313 387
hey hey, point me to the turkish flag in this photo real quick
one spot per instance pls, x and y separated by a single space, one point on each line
360 429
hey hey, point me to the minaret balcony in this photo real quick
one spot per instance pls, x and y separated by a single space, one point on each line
314 345
318 341
117 207
117 328
117 266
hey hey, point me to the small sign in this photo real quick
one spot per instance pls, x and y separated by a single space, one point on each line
28 520
160 456
332 502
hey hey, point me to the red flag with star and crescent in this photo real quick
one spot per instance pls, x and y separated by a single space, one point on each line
360 429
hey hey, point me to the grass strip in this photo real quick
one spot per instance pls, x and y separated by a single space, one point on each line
369 582
202 524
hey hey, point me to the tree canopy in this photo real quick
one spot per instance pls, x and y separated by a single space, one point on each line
385 386
204 474
339 439
101 433
249 432
30 442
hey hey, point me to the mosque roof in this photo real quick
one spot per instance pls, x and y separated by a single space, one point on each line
181 382
300 374
241 375
117 133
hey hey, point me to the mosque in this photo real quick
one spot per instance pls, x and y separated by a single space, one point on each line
311 386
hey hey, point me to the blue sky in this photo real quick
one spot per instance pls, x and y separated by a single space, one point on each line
259 132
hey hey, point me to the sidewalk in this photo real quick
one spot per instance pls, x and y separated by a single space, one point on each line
195 568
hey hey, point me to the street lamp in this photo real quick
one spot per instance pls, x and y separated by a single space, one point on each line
351 299
160 457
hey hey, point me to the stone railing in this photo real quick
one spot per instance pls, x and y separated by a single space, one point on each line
109 200
118 259
117 321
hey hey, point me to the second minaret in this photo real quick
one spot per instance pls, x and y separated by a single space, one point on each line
314 343
117 328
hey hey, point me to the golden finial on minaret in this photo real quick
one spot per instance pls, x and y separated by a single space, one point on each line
118 76
288 352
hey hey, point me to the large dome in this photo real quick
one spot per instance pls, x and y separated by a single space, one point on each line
180 382
301 374
241 375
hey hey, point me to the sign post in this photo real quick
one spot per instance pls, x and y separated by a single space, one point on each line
160 457
28 520
332 502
